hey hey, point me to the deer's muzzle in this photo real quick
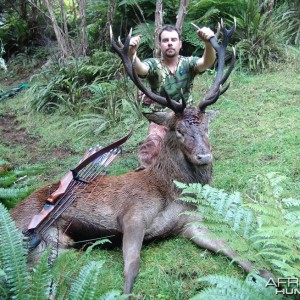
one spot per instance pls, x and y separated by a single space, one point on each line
204 159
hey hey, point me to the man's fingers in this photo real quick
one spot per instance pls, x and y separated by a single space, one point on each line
134 41
205 33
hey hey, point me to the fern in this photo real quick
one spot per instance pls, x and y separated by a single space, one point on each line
264 229
16 282
7 180
13 193
17 183
42 279
226 287
12 257
29 170
85 285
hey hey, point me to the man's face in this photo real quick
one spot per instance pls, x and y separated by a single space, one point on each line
170 44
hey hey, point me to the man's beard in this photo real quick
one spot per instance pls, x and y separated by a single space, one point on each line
170 53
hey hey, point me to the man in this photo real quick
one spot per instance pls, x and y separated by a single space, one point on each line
171 72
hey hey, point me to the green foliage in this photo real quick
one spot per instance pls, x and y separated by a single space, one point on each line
66 87
287 16
12 257
16 183
17 282
113 102
14 34
86 283
260 37
146 45
229 288
41 279
265 229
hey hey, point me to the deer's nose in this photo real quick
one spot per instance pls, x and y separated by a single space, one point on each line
204 158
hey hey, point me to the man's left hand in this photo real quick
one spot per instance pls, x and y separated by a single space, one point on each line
205 34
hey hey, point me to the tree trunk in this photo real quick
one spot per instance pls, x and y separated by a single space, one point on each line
32 21
64 18
111 12
57 30
23 9
81 6
158 27
181 14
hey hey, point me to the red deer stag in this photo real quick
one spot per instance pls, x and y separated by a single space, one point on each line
144 205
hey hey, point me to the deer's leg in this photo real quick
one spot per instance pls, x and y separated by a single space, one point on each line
199 236
133 236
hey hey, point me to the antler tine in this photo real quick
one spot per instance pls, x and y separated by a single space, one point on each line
231 66
218 31
123 52
216 90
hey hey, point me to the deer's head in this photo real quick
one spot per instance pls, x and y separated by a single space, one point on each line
188 125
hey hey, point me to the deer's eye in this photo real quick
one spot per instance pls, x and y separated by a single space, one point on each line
179 133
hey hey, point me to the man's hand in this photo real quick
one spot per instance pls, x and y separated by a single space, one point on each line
133 44
205 34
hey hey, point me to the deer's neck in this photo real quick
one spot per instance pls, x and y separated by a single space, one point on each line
171 164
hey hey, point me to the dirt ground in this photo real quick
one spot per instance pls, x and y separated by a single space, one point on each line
13 136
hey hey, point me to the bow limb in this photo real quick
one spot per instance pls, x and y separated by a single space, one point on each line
66 180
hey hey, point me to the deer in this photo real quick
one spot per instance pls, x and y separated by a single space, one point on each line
143 205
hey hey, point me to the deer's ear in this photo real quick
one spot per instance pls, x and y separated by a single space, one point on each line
160 117
211 114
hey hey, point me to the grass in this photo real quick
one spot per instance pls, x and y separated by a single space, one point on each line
256 132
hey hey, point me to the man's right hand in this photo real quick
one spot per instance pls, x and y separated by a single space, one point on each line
133 44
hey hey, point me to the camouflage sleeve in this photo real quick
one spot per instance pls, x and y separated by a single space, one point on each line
193 63
152 64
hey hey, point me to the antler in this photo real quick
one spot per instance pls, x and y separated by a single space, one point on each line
123 52
216 90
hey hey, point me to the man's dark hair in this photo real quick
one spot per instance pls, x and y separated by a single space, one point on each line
169 28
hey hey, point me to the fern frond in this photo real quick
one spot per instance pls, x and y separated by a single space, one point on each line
7 180
41 281
12 256
113 295
226 287
286 269
13 193
265 229
290 202
28 170
85 285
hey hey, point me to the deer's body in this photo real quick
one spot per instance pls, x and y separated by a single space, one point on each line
147 197
138 205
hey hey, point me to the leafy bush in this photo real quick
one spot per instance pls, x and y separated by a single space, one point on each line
260 37
287 17
259 41
66 86
14 34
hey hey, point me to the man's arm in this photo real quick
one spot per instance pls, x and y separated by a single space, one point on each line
209 55
141 68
